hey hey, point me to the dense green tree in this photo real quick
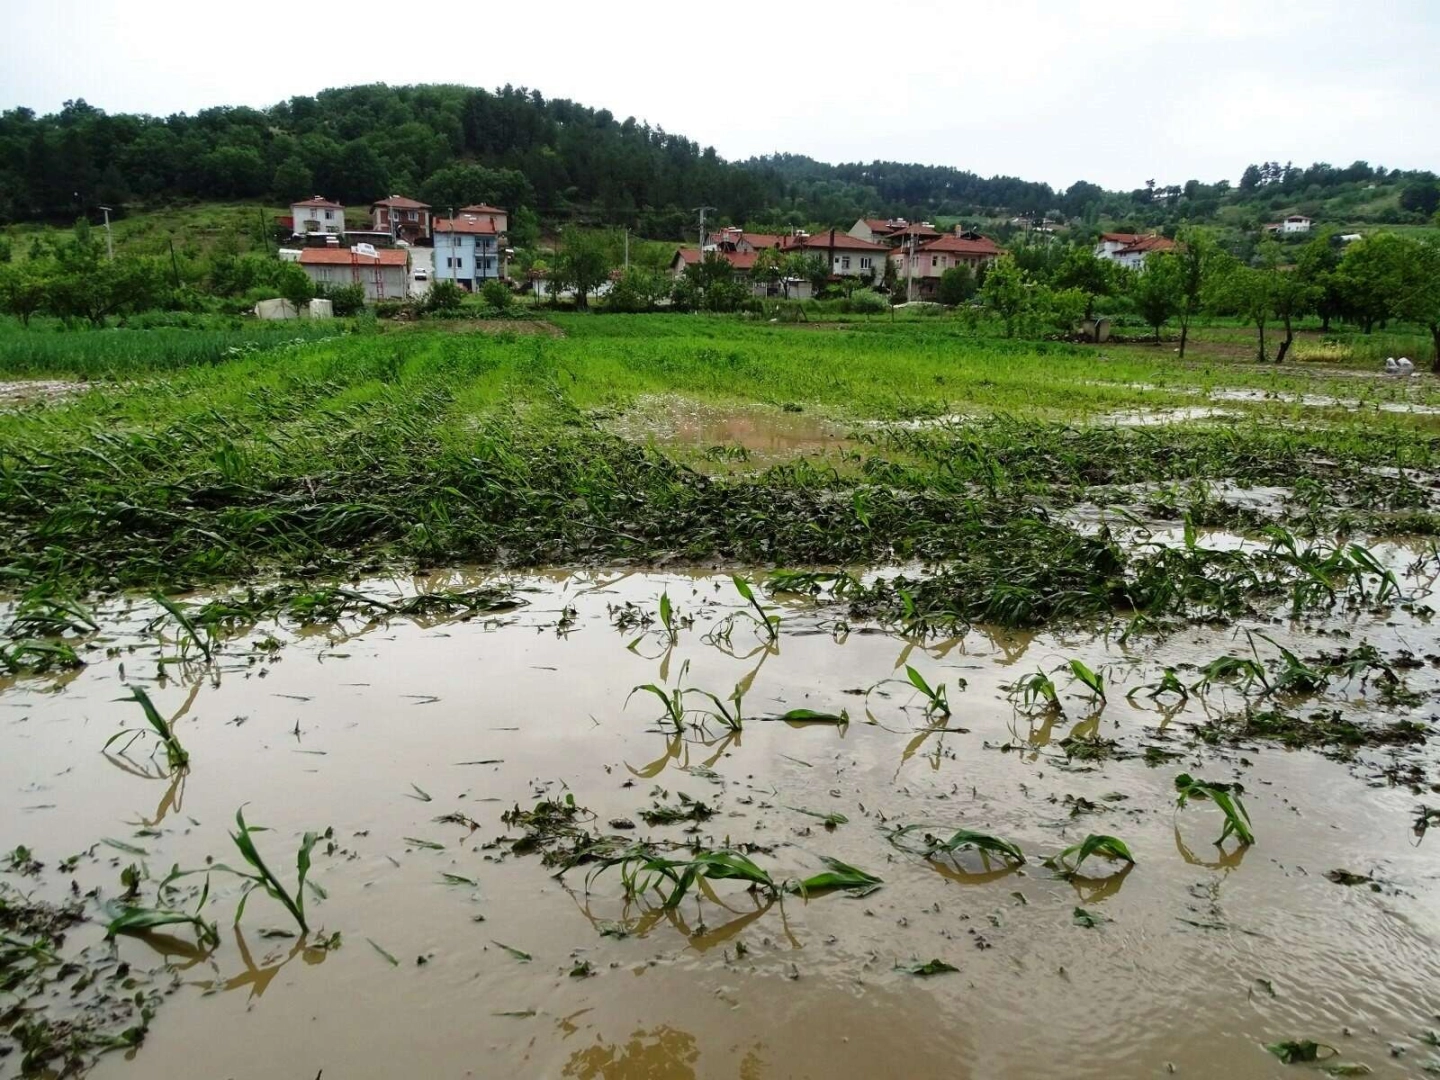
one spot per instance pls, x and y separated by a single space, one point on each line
957 284
1005 292
1095 277
294 284
582 264
293 180
1421 195
1159 292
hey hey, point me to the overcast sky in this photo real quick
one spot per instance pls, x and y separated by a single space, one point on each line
1112 91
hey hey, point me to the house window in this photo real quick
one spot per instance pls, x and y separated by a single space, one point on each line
865 263
934 261
845 262
329 215
409 215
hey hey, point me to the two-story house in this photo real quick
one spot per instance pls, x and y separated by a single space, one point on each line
317 214
1130 249
405 219
918 271
845 255
467 249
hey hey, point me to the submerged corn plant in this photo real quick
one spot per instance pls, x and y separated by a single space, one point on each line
1036 688
769 625
644 869
1224 796
1094 681
128 918
1110 847
260 876
192 632
936 701
176 756
959 840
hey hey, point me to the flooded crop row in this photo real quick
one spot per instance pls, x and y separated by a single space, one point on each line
523 865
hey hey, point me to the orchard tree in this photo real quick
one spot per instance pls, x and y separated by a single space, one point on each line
1095 277
1196 257
1005 291
1158 291
582 264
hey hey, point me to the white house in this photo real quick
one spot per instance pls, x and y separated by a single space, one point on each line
467 249
1130 249
846 255
1295 223
317 214
385 275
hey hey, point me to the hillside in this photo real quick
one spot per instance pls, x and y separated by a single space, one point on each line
559 161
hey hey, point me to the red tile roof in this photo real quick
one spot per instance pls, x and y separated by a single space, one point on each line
740 260
958 245
466 224
1146 244
328 256
918 229
318 202
481 208
841 241
400 202
1121 237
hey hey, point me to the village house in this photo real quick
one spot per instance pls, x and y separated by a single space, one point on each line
845 255
405 219
743 263
468 247
875 230
1130 249
1295 223
918 272
737 240
317 214
498 218
384 275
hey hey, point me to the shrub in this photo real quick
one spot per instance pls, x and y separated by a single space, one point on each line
444 297
346 299
496 294
868 302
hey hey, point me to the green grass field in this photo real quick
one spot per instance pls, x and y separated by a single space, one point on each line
219 454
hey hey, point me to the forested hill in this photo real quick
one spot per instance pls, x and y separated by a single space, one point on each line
452 145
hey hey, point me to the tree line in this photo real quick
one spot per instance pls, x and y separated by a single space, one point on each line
453 145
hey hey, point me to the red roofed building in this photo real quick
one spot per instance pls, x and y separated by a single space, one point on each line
385 275
876 230
1130 249
497 217
918 272
845 255
469 248
405 219
317 214
733 239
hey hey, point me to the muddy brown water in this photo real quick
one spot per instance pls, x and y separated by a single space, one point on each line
335 727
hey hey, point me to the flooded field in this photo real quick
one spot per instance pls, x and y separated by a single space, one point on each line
444 942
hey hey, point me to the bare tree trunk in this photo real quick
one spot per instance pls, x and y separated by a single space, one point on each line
1435 336
1184 333
1285 345
1260 325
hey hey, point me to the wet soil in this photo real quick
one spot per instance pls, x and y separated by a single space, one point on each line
760 431
20 392
1188 960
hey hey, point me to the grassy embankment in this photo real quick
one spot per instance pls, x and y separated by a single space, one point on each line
422 446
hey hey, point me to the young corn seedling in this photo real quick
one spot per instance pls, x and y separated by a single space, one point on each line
260 876
769 624
1224 796
731 716
1095 844
1169 684
1094 681
643 870
192 633
128 918
673 702
1226 668
960 840
840 875
936 702
176 756
1034 689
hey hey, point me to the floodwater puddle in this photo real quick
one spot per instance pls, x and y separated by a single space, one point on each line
472 944
761 430
17 393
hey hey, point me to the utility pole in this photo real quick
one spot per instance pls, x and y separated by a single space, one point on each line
910 277
453 269
109 243
701 210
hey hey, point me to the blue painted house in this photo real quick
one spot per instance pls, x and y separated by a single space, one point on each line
469 248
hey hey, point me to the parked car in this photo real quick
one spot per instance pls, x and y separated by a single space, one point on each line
422 274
